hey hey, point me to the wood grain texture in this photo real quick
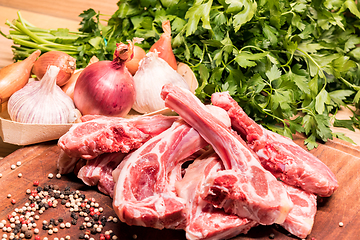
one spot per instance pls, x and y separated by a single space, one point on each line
40 160
68 9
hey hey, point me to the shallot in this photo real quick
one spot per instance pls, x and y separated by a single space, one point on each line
163 45
14 76
153 73
107 87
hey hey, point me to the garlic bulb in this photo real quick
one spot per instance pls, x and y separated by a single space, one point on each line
152 75
42 102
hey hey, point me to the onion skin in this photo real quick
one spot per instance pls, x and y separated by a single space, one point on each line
64 61
163 46
69 87
106 87
133 64
15 76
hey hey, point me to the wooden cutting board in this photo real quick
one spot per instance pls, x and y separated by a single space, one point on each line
39 160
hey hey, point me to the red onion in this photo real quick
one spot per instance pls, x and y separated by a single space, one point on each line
107 87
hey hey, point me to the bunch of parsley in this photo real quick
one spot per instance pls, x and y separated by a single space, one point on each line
290 64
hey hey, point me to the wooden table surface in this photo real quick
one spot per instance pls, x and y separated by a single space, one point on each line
341 157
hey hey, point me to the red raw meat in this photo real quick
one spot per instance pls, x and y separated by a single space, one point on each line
301 218
278 154
99 135
98 171
144 194
245 188
203 220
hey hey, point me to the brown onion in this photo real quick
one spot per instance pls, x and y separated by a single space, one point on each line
64 61
15 76
163 46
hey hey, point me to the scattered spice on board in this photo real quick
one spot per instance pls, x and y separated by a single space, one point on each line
23 222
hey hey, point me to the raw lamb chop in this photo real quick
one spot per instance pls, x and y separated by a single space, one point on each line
245 188
203 220
99 135
143 195
278 154
300 220
98 171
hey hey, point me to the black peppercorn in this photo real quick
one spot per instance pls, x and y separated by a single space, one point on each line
45 227
28 234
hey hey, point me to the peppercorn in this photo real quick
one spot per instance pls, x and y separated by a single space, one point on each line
73 222
81 236
28 234
60 219
46 188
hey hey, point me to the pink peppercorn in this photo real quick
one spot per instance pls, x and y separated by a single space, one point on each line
37 237
36 183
